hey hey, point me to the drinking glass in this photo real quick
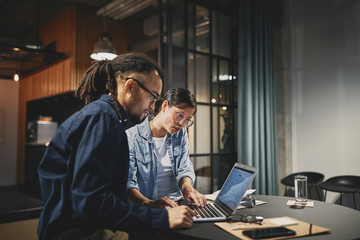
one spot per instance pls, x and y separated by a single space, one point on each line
300 183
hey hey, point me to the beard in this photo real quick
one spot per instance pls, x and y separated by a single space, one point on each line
137 119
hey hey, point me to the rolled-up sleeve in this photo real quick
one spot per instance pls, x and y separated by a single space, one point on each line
185 166
132 179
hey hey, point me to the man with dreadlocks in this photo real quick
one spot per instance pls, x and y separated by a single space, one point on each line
83 173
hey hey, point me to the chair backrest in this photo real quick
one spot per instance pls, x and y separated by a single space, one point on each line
313 178
343 183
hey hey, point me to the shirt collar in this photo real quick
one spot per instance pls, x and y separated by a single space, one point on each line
145 131
124 117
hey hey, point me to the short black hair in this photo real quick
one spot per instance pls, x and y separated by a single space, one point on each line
178 97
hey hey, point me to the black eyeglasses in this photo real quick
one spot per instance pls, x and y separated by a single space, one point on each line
153 96
179 117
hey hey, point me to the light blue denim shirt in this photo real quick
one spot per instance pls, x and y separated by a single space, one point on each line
143 161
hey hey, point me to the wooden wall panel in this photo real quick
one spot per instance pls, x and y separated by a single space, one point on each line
75 30
54 79
39 85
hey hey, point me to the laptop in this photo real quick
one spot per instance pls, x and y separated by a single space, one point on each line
229 197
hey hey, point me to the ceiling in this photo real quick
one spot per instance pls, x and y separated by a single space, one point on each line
20 18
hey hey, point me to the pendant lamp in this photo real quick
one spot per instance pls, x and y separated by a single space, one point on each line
16 75
104 48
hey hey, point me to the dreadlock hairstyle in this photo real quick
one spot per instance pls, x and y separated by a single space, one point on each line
178 97
100 78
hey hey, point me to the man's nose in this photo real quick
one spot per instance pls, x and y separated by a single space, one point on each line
152 107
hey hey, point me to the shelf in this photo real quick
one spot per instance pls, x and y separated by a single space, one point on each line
26 60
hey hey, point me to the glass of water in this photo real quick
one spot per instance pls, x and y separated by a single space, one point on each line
300 183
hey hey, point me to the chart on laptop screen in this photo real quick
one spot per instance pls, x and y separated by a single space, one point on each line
235 187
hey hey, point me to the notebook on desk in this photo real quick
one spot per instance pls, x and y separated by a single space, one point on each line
230 195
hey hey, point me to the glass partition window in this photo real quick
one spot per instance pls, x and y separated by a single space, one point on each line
178 69
198 53
221 166
214 82
225 82
215 129
202 167
227 129
202 29
191 73
178 22
202 126
221 34
202 83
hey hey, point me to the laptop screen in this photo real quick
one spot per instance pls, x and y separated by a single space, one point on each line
235 187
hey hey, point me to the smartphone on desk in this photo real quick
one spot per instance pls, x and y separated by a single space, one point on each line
264 233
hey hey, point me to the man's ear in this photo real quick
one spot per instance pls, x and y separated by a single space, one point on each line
129 85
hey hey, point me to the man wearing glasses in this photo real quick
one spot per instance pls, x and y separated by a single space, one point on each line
83 173
145 100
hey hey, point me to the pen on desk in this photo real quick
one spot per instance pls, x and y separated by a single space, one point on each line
310 228
235 228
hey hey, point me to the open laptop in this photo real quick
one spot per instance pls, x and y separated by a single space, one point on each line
229 197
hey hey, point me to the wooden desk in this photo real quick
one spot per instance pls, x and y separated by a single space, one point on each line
344 222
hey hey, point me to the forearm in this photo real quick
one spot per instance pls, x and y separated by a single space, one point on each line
185 181
135 196
190 193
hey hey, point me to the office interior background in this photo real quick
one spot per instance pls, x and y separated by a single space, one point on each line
307 51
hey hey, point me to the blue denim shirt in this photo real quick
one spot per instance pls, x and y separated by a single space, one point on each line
143 161
83 176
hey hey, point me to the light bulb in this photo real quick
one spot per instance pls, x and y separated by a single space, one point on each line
16 77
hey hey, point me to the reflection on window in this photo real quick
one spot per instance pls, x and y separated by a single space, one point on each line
191 134
221 166
214 82
202 29
221 34
178 22
202 78
178 69
227 134
236 129
203 174
191 70
235 89
203 129
225 81
191 26
215 128
223 129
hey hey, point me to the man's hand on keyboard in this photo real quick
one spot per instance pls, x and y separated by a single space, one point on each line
181 217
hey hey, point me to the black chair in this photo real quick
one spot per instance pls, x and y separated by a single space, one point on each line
342 184
313 181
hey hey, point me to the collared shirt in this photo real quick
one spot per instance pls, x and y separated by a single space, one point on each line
143 160
83 176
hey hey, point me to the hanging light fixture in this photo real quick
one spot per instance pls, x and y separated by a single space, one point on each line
104 48
16 75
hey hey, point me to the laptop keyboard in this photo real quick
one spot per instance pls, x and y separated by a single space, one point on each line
208 211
